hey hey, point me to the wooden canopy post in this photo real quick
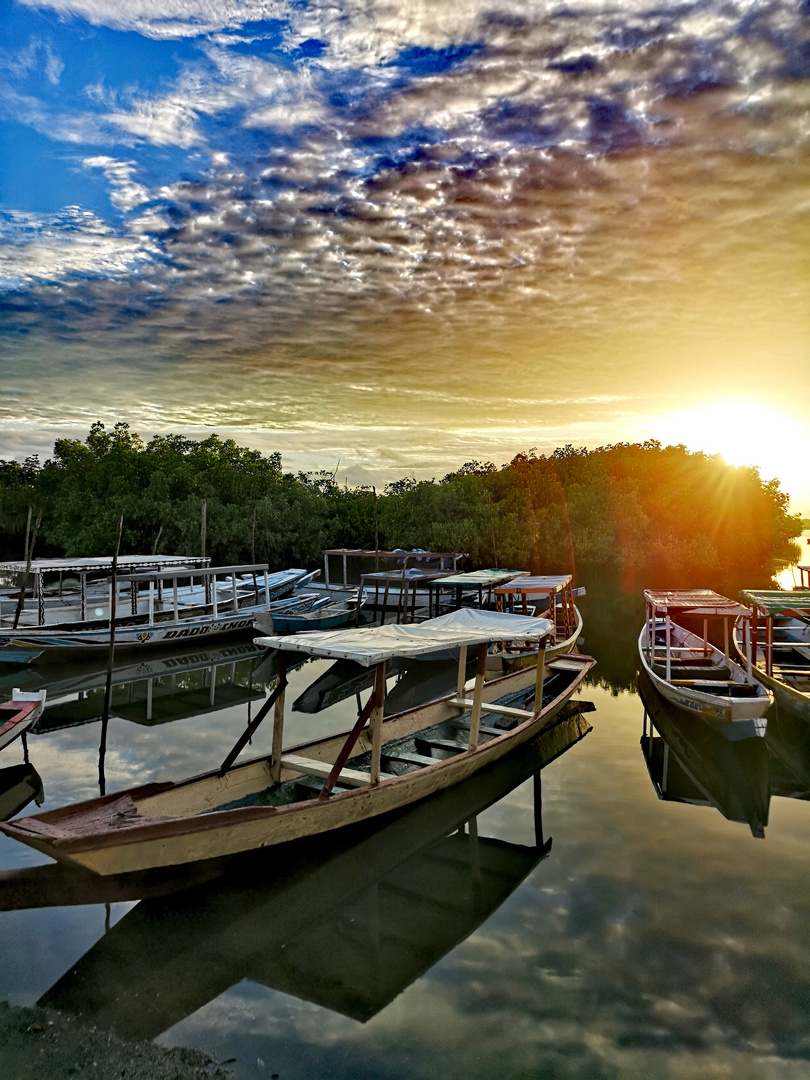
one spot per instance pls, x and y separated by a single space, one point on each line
478 693
375 723
462 671
174 594
540 676
747 640
278 722
669 645
725 638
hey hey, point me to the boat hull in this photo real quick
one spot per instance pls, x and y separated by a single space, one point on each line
173 824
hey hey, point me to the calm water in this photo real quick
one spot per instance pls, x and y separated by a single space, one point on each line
653 937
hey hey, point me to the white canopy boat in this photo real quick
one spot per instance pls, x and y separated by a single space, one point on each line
166 620
381 765
691 672
775 641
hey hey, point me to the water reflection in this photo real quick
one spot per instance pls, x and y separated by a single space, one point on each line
689 761
19 785
155 691
347 923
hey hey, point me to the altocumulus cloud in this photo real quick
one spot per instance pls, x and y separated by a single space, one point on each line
285 168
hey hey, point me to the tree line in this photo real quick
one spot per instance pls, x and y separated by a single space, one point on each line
641 511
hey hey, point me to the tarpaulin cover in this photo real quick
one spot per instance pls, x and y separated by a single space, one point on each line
373 644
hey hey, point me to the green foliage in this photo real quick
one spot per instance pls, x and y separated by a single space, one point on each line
649 513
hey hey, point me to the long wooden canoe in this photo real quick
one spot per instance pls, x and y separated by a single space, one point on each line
382 765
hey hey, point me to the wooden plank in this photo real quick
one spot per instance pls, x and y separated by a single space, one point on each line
322 769
482 728
441 744
502 710
409 757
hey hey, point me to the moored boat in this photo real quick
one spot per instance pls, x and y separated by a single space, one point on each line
19 713
775 640
152 609
690 671
381 765
309 613
548 596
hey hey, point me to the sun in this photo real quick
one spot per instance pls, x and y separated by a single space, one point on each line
745 432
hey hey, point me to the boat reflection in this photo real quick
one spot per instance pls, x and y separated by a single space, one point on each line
689 761
154 691
19 785
410 683
347 922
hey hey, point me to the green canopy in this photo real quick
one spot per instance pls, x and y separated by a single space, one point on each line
777 601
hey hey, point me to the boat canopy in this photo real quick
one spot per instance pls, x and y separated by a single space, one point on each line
474 578
103 563
547 583
214 571
703 602
776 601
369 645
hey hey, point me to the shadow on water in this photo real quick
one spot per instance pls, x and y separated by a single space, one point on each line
347 922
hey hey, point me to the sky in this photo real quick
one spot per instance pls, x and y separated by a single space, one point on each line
389 237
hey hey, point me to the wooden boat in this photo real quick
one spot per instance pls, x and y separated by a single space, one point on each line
549 596
774 640
310 613
691 762
691 672
71 590
378 767
19 713
158 615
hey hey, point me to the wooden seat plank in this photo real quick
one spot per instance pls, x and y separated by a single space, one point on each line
350 777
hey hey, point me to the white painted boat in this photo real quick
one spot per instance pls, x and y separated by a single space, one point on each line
165 620
775 641
691 672
381 765
19 714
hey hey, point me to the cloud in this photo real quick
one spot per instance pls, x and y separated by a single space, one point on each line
126 193
76 242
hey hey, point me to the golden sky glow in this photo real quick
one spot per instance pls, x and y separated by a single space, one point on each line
390 238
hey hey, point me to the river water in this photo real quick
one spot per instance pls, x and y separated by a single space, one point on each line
584 924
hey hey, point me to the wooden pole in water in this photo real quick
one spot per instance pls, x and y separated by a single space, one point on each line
105 712
29 553
203 527
376 530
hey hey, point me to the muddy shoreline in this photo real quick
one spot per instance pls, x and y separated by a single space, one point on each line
41 1043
